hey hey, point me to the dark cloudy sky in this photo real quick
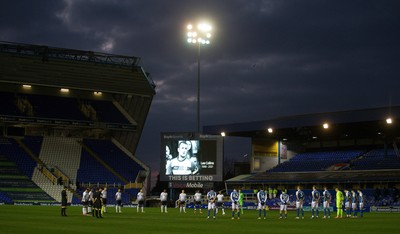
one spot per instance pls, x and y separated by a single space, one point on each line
267 58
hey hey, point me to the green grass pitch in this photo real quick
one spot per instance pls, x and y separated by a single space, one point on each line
47 219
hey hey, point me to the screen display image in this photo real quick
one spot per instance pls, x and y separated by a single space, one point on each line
187 157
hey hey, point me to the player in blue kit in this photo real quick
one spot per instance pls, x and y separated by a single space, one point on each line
354 202
299 203
262 202
327 200
347 201
235 203
211 196
315 196
284 201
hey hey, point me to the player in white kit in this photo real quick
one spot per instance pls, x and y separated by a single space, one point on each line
182 202
197 201
164 201
220 202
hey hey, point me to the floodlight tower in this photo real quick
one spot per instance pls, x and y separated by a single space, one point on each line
199 35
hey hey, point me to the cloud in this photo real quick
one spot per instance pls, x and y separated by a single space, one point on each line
267 58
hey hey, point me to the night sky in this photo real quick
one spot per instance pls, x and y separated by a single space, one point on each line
266 58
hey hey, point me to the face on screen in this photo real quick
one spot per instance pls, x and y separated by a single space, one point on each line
183 150
185 161
190 159
168 155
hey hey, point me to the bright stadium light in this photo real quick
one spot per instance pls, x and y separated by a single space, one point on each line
200 35
325 125
270 130
389 120
223 134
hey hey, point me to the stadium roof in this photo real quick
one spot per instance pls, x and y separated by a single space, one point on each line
73 69
363 123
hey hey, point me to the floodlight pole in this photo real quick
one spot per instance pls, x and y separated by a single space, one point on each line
199 35
198 87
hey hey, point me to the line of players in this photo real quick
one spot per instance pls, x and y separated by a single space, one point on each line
353 203
215 202
95 203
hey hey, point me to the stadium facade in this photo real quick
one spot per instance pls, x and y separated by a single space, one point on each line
70 117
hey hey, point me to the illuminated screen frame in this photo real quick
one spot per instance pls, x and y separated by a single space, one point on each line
191 157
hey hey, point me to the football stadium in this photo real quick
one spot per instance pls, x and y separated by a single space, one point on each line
71 122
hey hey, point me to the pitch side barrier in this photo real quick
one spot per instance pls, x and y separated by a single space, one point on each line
385 209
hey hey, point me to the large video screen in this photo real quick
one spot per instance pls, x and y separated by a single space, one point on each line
191 157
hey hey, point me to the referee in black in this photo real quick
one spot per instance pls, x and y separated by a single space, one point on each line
64 202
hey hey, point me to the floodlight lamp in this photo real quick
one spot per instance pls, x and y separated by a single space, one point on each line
64 90
325 125
201 27
223 134
204 27
25 86
389 120
270 130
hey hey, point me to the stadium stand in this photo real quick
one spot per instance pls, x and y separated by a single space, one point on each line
377 159
12 150
316 161
55 107
91 171
45 108
7 103
44 129
106 112
115 158
15 186
67 155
